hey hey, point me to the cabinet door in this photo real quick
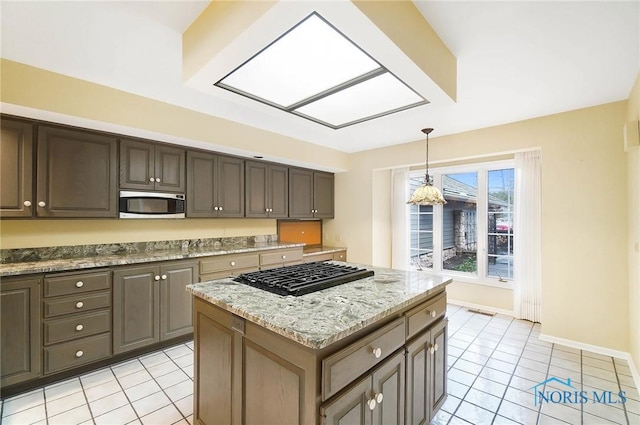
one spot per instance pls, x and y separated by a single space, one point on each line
300 193
229 187
135 307
201 168
16 169
169 169
350 408
438 375
137 165
76 174
278 191
389 391
323 195
418 396
257 189
176 303
20 330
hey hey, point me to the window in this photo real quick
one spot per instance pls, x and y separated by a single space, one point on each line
472 234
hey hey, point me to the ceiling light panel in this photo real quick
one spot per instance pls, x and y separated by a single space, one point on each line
316 72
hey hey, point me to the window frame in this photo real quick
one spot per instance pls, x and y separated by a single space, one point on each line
482 232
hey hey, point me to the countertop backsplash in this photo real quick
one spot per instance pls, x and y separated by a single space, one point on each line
27 255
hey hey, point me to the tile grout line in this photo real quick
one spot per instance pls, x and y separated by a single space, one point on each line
483 366
514 371
624 405
581 385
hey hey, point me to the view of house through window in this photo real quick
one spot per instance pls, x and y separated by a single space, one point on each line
472 234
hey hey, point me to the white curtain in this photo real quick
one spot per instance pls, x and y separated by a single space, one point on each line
400 218
527 239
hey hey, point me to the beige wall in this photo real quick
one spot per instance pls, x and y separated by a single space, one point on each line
633 161
584 215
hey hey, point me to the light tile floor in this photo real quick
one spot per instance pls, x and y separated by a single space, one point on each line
494 362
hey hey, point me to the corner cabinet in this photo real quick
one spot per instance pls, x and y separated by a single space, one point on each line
151 304
151 166
16 168
215 185
311 194
267 190
21 343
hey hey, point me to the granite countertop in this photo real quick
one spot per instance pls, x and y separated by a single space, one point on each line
321 318
125 258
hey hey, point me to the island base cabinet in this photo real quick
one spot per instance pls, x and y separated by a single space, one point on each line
427 374
377 399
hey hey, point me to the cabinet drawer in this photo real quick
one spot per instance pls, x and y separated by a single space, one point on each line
55 285
228 262
280 257
340 256
76 326
424 315
318 257
226 273
341 368
76 353
76 303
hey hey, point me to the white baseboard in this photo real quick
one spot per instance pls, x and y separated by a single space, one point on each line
480 307
599 350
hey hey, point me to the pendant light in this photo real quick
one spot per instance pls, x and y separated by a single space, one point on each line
427 194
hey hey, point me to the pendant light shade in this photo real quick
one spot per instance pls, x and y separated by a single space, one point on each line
427 194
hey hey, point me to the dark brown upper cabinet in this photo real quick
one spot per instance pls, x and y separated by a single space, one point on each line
76 174
16 169
311 194
267 190
215 185
151 166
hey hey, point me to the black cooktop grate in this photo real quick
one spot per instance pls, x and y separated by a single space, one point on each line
303 279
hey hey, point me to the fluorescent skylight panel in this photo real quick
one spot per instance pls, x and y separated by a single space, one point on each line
311 58
376 96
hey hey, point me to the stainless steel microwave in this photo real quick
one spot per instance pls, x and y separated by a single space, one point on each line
151 205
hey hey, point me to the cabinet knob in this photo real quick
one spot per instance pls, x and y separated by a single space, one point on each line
433 313
27 203
215 208
372 404
377 352
219 208
156 277
435 347
270 209
79 304
284 257
157 180
379 398
151 179
79 353
42 204
232 264
432 349
79 328
79 284
164 277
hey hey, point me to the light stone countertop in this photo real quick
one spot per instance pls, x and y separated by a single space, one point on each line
70 264
321 318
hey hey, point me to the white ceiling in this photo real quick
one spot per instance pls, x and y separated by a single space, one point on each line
516 59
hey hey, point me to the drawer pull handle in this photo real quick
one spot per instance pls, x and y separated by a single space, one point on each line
233 264
79 353
372 404
433 313
79 304
379 398
377 352
79 284
79 328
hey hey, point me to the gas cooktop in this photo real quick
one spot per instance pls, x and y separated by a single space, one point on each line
303 279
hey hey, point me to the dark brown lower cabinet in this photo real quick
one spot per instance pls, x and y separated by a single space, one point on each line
427 374
20 330
377 399
150 304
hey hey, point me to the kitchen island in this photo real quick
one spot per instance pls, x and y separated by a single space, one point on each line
369 351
